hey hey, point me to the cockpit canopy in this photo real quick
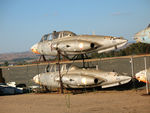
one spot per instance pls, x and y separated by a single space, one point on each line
56 35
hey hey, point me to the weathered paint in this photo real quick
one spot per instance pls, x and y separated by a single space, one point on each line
80 78
78 44
143 36
141 76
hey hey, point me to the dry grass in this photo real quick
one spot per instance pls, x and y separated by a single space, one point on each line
129 101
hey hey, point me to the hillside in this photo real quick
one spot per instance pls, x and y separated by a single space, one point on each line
17 56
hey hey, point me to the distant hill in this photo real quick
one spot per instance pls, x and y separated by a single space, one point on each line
17 56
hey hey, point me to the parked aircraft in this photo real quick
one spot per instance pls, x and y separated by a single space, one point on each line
10 88
143 36
141 76
75 77
68 43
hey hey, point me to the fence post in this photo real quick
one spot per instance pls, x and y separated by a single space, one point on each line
146 75
132 69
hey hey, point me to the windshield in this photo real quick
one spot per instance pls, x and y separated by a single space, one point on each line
56 35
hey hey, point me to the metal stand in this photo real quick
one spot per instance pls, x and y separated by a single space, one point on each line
42 56
82 55
39 90
60 77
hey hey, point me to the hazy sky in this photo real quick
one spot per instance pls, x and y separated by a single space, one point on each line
23 22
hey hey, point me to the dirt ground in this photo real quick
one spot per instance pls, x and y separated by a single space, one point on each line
129 101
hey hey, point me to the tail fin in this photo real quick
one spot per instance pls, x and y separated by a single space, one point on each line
148 26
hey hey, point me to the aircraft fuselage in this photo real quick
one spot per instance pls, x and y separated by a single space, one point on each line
79 44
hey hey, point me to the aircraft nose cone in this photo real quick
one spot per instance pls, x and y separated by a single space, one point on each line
36 79
137 77
34 49
141 76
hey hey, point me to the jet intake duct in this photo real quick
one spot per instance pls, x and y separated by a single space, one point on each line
79 80
95 80
71 46
92 45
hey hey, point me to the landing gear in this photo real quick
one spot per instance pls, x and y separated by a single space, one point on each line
42 57
81 56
